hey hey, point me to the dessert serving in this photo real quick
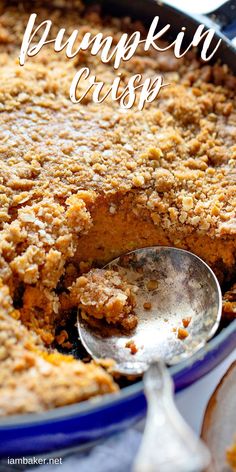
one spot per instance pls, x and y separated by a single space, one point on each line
83 183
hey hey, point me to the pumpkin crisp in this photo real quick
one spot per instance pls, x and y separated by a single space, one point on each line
81 184
229 303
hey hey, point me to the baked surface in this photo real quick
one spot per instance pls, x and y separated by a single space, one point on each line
31 379
80 184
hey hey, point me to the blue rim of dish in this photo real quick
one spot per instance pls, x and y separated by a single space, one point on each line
193 368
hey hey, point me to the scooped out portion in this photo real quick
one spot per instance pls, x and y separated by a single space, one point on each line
33 379
105 295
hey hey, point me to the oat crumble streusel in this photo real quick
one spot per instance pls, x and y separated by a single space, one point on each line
105 295
80 184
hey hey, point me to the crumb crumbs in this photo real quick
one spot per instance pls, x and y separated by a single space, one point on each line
67 345
132 346
86 359
104 294
152 285
186 321
147 306
182 333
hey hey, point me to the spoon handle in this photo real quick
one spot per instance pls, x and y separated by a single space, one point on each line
168 443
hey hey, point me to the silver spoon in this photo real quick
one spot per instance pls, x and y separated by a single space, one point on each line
178 286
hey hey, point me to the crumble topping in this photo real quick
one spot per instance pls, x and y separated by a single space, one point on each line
104 294
179 151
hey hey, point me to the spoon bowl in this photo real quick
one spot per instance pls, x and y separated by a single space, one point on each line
178 306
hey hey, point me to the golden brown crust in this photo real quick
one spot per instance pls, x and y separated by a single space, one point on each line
179 162
179 153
